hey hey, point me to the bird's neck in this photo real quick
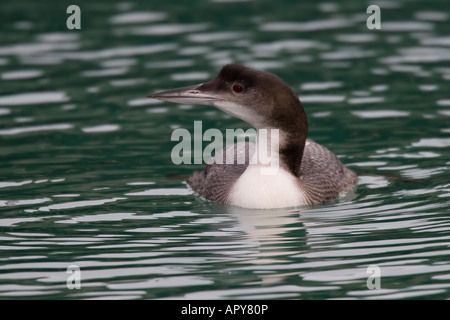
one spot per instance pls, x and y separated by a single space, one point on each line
291 154
293 131
279 149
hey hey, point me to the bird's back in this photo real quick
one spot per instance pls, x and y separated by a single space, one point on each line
323 177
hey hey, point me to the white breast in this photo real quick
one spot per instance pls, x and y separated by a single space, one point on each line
257 190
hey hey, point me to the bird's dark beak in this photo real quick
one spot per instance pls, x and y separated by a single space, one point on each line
189 95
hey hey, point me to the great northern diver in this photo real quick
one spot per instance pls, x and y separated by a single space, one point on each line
308 172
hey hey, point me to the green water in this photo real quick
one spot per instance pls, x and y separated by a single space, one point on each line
86 176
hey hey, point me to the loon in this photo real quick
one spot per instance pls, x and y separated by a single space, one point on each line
307 174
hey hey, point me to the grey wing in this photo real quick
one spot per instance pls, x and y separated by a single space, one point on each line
216 180
323 176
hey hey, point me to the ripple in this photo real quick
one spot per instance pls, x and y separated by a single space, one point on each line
158 110
406 68
78 204
365 100
32 49
101 128
305 26
444 112
419 54
228 1
417 155
439 41
127 82
11 222
9 203
21 74
262 64
380 114
443 102
119 216
432 142
272 292
323 98
396 26
137 17
167 29
49 127
215 36
370 164
169 64
431 15
4 111
6 184
366 250
140 183
424 173
321 114
162 229
141 102
379 88
428 87
356 38
33 98
161 192
104 72
320 85
115 63
163 282
194 51
347 53
194 76
273 48
57 37
373 182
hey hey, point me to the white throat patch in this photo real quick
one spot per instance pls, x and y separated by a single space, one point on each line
261 191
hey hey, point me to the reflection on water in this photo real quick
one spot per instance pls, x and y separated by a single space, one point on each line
86 176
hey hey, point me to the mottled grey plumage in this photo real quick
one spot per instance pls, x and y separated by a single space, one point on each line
322 175
215 182
265 101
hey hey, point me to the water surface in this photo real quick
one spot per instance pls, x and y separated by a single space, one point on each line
86 176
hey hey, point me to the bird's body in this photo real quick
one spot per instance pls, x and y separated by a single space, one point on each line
322 178
304 172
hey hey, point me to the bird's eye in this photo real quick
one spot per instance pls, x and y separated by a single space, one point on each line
238 88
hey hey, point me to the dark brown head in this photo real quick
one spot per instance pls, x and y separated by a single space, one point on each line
259 98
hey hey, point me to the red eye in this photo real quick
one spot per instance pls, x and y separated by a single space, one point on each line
238 88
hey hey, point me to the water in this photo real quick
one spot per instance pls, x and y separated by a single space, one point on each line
86 177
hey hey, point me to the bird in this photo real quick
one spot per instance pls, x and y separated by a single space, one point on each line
305 172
